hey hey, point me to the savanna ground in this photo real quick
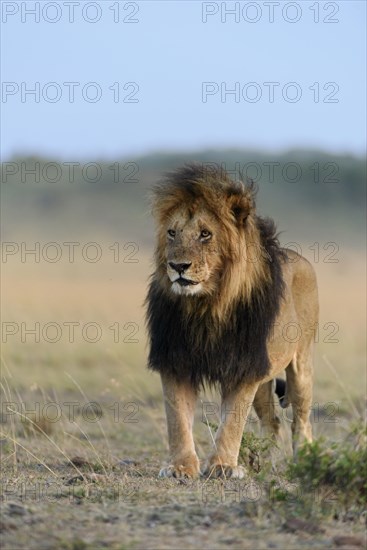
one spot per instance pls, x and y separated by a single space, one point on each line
80 475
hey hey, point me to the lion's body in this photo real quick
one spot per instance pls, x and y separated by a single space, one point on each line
228 307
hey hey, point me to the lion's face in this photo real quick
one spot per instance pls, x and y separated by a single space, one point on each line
205 223
192 257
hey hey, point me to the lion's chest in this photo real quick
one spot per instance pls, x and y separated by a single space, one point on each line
191 349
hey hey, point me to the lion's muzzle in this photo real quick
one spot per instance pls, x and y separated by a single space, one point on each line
180 268
185 282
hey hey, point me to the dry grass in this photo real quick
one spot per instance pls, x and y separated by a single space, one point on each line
110 495
108 293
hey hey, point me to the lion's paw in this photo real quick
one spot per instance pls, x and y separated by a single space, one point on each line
181 470
224 471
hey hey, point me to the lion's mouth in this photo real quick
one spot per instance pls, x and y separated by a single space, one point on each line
185 282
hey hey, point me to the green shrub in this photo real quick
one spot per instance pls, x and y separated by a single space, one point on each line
252 448
341 465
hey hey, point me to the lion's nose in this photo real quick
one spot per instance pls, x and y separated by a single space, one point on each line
180 268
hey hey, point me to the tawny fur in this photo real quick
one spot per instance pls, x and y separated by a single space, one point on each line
232 325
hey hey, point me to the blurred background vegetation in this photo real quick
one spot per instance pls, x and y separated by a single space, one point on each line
316 199
310 194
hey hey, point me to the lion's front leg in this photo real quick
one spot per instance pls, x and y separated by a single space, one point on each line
223 462
180 399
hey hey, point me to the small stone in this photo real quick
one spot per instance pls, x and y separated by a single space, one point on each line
16 509
349 541
127 462
80 461
293 525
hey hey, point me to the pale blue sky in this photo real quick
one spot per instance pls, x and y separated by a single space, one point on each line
169 53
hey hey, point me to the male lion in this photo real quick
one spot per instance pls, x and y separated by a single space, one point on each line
227 307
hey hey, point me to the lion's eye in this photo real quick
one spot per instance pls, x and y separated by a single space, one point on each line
205 234
171 233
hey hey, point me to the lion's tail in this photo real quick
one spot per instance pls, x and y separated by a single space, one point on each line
280 390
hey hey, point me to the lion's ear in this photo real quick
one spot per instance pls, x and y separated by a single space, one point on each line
241 206
241 200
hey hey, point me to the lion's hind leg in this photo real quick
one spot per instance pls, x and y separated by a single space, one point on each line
264 405
299 394
265 409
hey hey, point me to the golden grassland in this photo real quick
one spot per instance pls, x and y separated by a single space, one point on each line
112 295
